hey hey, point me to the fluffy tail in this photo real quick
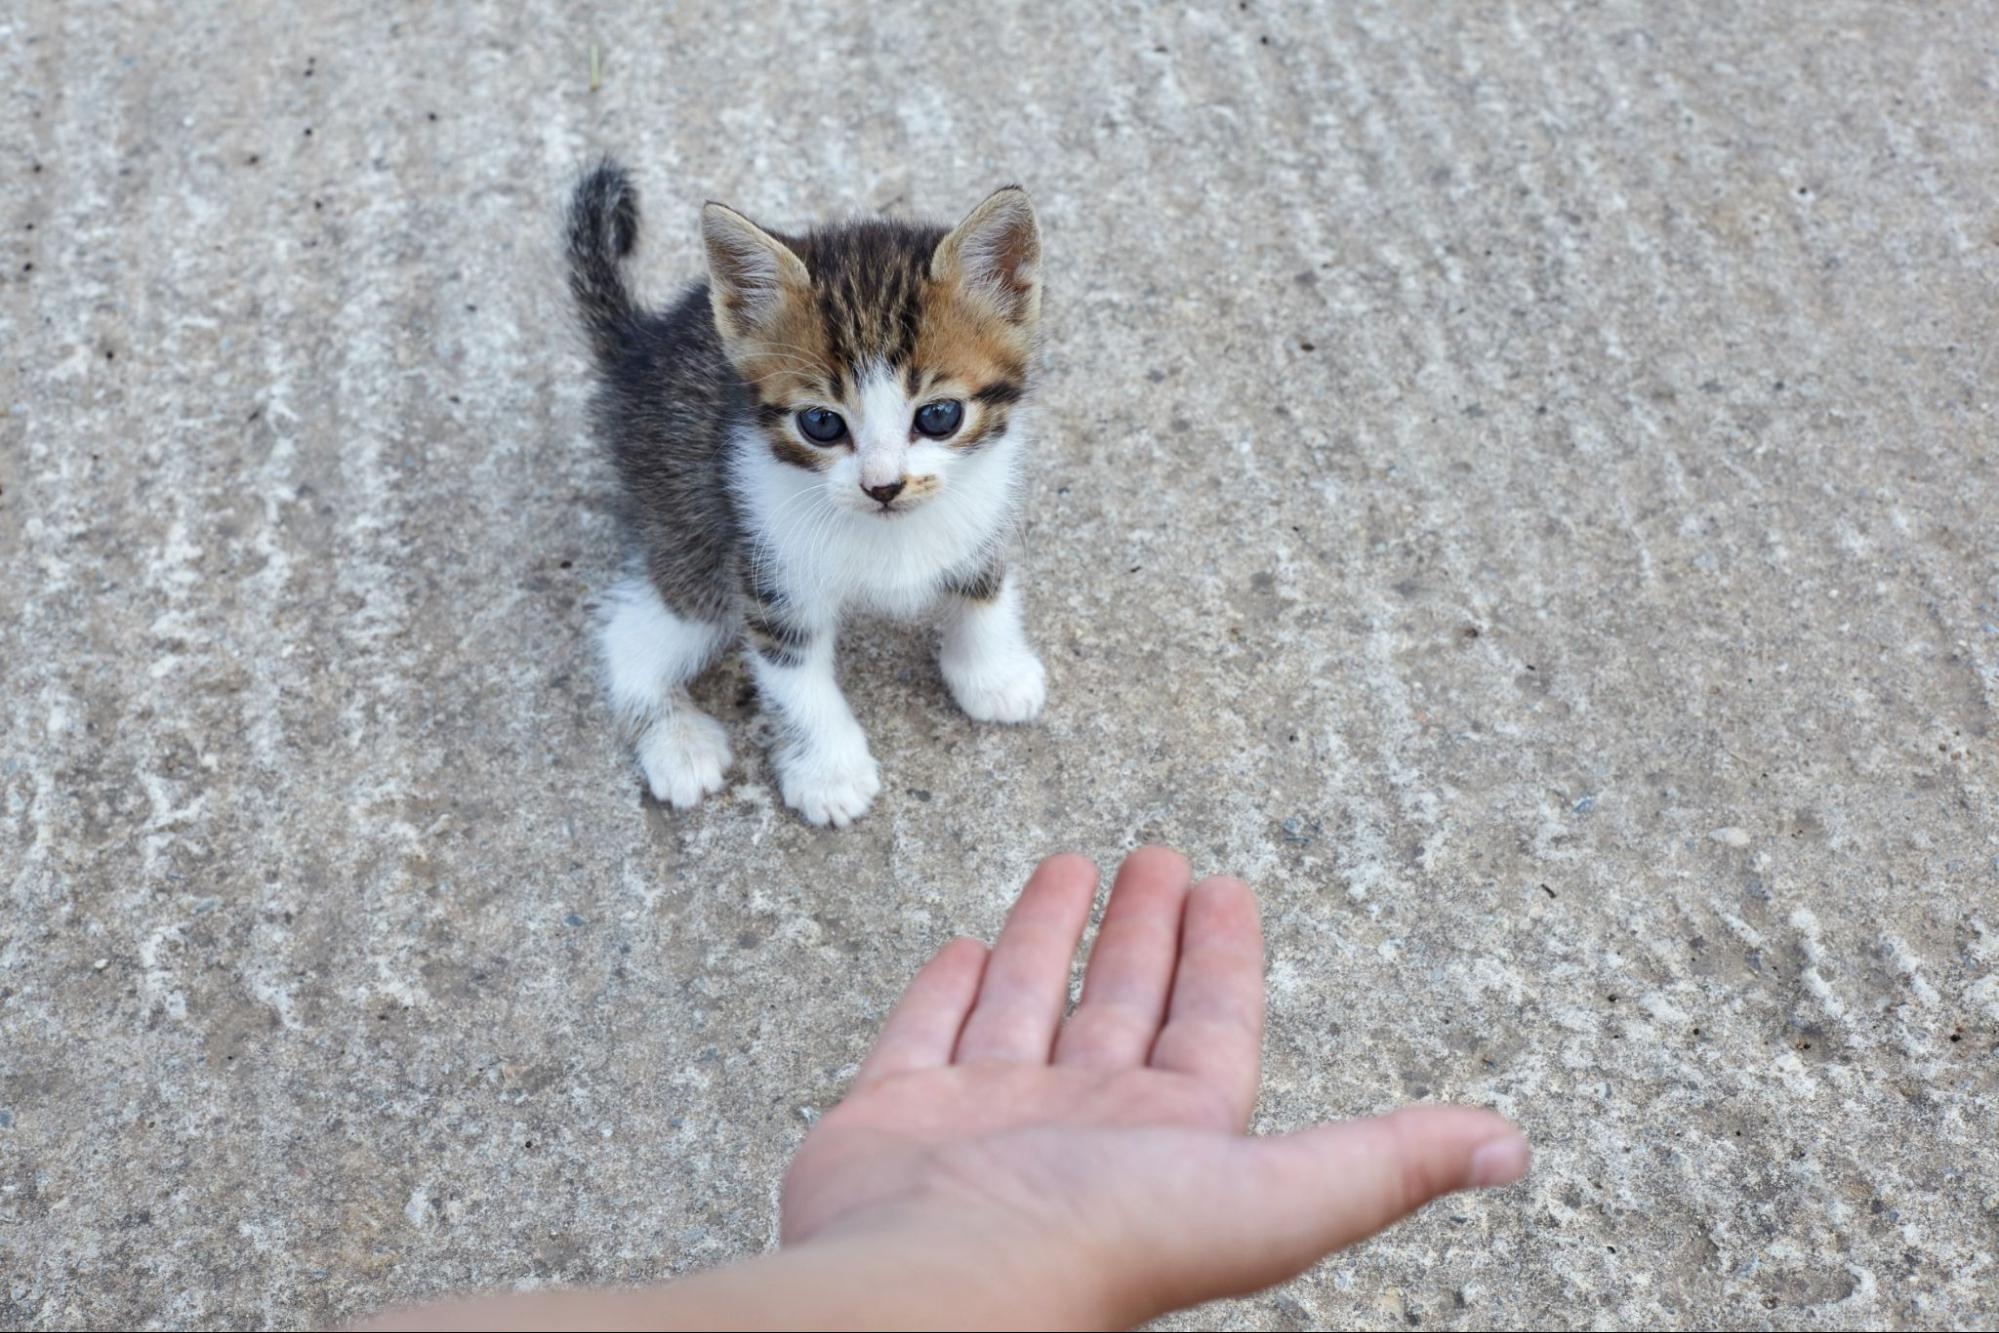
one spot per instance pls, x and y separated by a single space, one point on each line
603 225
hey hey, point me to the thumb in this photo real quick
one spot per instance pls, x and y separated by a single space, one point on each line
1272 1207
1332 1185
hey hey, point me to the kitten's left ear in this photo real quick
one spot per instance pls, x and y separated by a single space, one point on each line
996 253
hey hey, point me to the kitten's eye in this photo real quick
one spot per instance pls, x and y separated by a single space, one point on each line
938 420
821 426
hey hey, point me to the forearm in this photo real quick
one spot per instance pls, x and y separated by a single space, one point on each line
862 1281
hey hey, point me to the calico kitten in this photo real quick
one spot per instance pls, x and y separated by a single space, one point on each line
833 420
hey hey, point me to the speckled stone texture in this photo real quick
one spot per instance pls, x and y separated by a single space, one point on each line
1519 487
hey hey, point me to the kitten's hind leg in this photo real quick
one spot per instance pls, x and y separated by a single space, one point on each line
992 669
650 654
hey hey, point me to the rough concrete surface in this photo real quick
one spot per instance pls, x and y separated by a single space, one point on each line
1519 487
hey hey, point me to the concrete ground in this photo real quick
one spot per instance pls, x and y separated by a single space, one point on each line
1519 488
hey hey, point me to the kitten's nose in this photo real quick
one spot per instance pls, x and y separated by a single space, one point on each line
884 493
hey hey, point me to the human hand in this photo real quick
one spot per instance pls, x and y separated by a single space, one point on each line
1095 1171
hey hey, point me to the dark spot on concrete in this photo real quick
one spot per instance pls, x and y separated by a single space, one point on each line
573 919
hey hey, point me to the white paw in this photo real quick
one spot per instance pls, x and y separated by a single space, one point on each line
684 757
830 785
1009 689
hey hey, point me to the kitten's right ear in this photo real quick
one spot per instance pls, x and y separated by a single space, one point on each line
751 270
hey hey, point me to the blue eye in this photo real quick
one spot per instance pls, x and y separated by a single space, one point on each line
821 426
938 420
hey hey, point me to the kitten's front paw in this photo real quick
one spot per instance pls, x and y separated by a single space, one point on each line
1011 689
830 786
684 757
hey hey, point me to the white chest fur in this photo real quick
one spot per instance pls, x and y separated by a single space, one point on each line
828 555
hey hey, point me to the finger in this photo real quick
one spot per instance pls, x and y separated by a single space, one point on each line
1325 1188
923 1027
1214 1020
1027 978
1131 965
1238 1215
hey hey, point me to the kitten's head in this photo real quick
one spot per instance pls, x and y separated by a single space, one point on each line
880 355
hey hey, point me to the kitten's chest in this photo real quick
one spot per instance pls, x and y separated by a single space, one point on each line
831 560
895 566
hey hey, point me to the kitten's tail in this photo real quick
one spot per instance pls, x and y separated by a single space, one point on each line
603 225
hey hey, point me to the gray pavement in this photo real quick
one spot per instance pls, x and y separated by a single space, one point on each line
1519 487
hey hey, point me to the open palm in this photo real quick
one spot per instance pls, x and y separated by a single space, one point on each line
1109 1148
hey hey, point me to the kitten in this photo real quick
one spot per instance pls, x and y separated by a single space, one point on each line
833 420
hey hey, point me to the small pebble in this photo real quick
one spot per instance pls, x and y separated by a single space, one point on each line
573 919
1731 836
100 965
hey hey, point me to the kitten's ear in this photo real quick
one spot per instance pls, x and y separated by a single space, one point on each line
996 253
750 269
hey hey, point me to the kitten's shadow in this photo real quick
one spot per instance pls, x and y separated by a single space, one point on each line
888 670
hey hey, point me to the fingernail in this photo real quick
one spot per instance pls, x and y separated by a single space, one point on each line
1500 1162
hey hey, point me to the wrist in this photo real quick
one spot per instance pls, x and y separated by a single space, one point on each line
959 1273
